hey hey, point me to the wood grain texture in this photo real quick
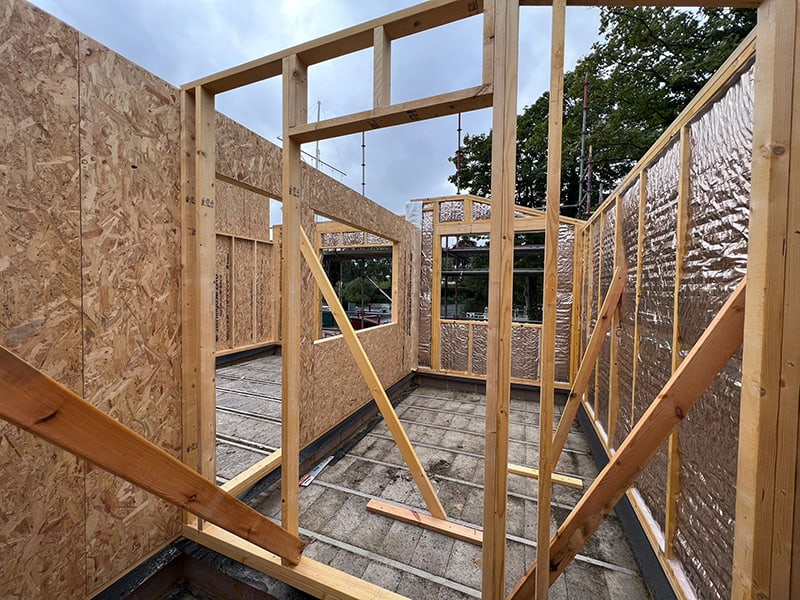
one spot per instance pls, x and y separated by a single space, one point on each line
44 407
130 221
710 354
448 528
41 486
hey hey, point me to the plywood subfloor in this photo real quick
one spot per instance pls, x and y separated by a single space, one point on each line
446 428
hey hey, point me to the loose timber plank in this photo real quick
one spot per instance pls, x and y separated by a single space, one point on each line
465 100
373 382
308 575
767 445
252 475
295 111
42 406
501 262
453 530
547 459
588 362
564 480
415 19
712 351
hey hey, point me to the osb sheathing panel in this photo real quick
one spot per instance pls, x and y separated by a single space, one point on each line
244 262
247 157
222 291
339 388
241 212
267 293
41 487
130 227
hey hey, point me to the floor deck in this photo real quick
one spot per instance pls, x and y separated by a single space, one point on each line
446 429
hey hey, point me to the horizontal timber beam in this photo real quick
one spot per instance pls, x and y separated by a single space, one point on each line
251 476
308 575
406 515
473 98
45 408
564 480
708 356
422 17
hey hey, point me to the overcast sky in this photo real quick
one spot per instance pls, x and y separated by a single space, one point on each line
183 40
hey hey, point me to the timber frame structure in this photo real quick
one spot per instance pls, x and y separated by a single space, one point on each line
762 311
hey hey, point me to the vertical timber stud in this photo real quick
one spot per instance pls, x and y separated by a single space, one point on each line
188 288
639 267
205 314
766 485
382 68
295 112
546 398
674 459
505 18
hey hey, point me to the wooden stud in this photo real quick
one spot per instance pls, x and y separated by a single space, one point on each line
565 480
295 111
33 401
205 241
639 268
577 305
719 342
473 98
488 43
382 68
373 382
673 455
589 360
448 528
548 342
189 322
252 475
231 316
598 285
613 372
501 264
308 575
768 424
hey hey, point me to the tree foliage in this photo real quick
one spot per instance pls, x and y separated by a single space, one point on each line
650 63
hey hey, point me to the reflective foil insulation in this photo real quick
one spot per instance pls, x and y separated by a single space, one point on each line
714 263
454 342
566 254
525 351
606 270
425 281
452 210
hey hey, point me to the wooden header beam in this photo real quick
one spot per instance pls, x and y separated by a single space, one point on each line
473 98
45 408
422 17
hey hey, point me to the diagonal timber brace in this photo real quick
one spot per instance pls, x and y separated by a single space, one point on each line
708 356
35 402
371 377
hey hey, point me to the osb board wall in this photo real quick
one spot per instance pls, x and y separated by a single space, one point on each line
89 255
246 267
130 214
339 388
41 487
250 159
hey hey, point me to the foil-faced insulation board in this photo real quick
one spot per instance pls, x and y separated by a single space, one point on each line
481 211
479 334
525 345
714 263
629 228
451 210
454 342
425 286
654 363
566 252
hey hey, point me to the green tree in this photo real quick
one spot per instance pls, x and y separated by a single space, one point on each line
649 65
